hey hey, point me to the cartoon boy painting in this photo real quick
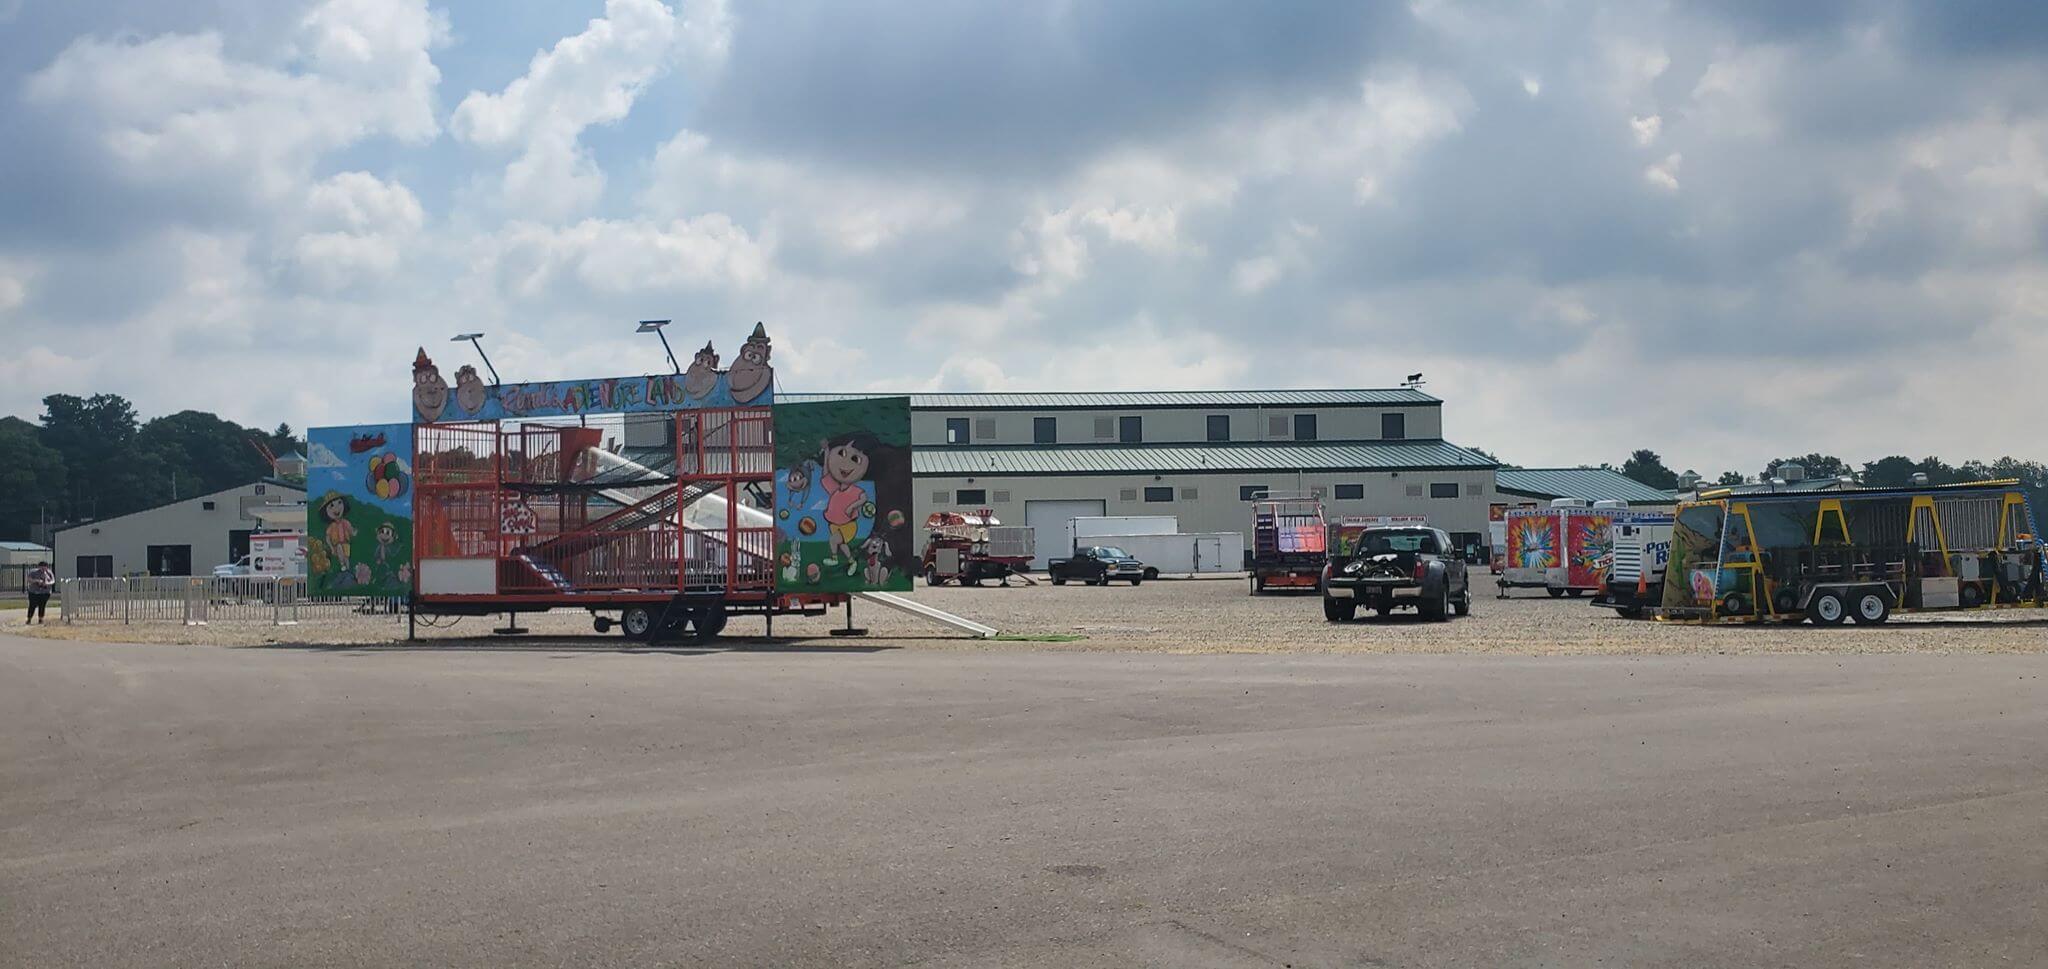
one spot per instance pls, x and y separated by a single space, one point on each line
340 531
845 465
429 391
469 391
702 376
387 536
751 375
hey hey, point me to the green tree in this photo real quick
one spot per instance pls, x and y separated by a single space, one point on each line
1816 465
1648 468
1729 479
203 453
31 478
1895 471
109 473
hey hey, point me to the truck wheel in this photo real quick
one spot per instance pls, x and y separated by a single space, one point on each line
1137 579
1463 604
637 623
1871 607
1555 593
1340 610
931 577
1827 608
1151 573
1059 580
1630 612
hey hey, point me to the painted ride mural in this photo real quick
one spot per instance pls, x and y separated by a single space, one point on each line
359 510
749 383
842 496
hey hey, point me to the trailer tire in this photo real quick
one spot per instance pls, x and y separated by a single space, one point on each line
1872 608
1575 593
1970 596
1736 604
1151 572
602 624
1630 612
1827 608
1555 593
1784 601
637 622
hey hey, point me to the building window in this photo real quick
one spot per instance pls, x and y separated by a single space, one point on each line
1002 498
1045 430
1130 430
1189 494
1127 494
939 497
1304 427
1219 427
1393 427
1350 492
1414 491
1444 490
1276 426
95 566
1158 494
1252 492
971 497
956 430
1104 428
206 506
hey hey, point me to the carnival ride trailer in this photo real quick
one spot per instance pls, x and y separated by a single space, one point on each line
1289 544
1565 549
520 518
1857 554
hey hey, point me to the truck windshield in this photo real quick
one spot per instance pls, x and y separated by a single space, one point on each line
1110 552
1380 543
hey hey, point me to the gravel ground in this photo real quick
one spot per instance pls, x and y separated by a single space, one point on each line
1195 616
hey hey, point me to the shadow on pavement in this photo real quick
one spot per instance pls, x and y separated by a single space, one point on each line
580 644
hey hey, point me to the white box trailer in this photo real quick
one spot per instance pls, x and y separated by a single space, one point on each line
1084 531
1181 553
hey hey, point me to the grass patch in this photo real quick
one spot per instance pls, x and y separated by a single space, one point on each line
1038 637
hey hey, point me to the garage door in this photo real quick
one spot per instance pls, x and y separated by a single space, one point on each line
1048 521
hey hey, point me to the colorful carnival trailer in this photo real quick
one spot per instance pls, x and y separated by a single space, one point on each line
504 499
1860 554
1566 548
1289 543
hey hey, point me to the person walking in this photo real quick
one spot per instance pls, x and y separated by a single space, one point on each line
41 582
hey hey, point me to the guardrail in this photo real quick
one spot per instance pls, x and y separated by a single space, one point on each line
196 601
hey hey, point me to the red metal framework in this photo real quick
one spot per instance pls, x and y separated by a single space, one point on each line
532 498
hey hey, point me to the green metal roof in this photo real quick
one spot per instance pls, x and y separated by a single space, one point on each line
1136 400
1195 458
1592 484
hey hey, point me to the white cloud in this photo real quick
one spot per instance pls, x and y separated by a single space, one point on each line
586 79
1664 174
631 256
176 110
1646 128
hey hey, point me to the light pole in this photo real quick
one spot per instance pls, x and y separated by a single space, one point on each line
476 340
654 327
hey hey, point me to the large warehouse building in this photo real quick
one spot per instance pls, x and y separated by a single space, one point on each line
1045 458
187 537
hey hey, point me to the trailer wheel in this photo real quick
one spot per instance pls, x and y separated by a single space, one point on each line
1784 601
601 623
1970 596
1871 608
637 623
1736 604
1555 593
1827 608
709 622
1630 612
1151 572
1575 593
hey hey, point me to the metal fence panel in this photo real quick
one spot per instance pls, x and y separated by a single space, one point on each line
193 600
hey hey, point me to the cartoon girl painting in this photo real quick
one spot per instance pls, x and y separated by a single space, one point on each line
844 465
340 532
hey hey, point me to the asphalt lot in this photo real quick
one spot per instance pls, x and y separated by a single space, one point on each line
578 805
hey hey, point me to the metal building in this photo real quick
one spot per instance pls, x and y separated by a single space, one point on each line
1043 459
186 537
1540 485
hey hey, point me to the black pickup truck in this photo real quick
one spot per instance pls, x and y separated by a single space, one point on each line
1397 567
1097 565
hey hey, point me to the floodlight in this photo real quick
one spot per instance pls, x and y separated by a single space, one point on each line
476 340
654 327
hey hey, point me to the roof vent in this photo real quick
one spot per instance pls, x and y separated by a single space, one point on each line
1918 478
1688 481
1610 503
1570 503
1792 471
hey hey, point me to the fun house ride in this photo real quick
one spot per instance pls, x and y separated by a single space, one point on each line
503 499
1862 554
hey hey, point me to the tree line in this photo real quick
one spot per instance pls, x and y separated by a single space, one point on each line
88 458
1894 471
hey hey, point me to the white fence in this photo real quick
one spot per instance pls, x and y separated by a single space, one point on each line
192 601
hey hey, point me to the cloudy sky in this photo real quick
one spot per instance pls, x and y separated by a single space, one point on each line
1726 230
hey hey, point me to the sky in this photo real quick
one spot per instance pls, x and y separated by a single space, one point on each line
1725 231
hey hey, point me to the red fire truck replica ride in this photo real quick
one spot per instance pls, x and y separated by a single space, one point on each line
968 548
